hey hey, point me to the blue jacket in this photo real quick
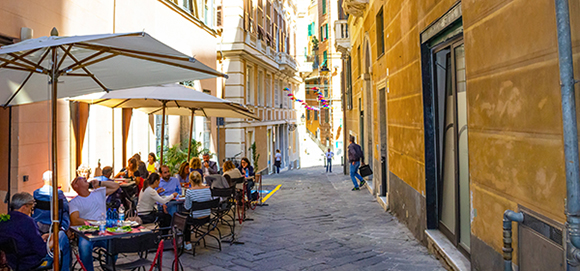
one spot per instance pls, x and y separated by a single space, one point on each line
43 216
249 169
31 247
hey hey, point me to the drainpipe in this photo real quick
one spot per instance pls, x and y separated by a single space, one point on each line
509 216
570 131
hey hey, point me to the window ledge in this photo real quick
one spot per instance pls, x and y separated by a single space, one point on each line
381 55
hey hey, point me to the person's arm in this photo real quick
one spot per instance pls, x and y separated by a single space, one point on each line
76 220
213 168
161 200
33 237
251 171
110 186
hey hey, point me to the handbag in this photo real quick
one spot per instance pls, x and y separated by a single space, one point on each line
365 170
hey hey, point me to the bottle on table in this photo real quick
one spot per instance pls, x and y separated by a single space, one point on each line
122 213
102 224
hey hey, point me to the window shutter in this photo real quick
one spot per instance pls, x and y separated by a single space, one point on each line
326 31
219 16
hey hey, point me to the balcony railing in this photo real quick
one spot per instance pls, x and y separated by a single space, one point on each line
283 59
341 31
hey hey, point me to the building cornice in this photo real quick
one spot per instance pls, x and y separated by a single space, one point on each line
355 8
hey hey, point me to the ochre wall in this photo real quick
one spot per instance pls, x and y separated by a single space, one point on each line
514 109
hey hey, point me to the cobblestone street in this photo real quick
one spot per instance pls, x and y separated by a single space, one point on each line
315 222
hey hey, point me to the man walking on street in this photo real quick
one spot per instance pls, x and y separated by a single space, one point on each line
354 156
329 156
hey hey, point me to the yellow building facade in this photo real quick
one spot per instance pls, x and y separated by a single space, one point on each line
457 107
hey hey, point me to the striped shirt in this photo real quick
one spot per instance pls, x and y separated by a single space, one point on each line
198 195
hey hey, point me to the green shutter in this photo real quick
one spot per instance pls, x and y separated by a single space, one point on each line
310 30
326 28
325 56
323 6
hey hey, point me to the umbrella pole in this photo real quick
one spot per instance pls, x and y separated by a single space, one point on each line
190 134
55 219
162 132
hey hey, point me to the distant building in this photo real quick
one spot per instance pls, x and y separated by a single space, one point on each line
258 48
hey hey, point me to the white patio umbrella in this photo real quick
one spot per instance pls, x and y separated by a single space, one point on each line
85 64
169 99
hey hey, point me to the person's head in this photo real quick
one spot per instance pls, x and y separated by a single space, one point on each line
245 162
278 151
132 164
328 149
195 178
228 165
351 139
206 157
151 158
80 185
164 170
183 170
137 156
22 202
107 172
195 163
47 177
152 180
84 171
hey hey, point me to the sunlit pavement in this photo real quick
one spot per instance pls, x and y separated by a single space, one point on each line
315 222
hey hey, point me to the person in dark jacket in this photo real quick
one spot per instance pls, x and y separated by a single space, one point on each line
354 156
31 246
247 171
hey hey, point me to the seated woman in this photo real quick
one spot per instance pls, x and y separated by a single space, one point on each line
128 171
183 173
195 165
146 208
152 164
231 172
199 193
247 171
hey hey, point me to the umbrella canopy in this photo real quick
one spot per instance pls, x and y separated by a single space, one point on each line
178 100
169 99
83 64
90 63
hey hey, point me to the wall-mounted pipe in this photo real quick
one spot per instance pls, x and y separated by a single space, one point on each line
570 130
509 216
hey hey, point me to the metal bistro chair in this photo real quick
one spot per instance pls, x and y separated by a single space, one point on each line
227 204
140 244
196 224
178 226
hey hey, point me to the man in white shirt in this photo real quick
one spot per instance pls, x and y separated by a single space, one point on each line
329 154
89 206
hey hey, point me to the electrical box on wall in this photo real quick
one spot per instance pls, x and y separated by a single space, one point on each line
540 243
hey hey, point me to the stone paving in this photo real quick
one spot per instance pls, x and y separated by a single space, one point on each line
315 222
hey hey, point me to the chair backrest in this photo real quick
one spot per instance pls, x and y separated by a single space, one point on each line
204 205
238 180
134 244
45 205
223 192
8 245
179 222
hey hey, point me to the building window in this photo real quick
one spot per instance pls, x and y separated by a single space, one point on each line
324 58
316 115
249 85
158 121
260 88
358 60
348 83
276 96
307 114
324 32
380 34
268 90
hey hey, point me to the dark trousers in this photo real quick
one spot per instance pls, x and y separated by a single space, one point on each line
328 164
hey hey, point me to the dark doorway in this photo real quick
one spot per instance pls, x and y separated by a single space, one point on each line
383 137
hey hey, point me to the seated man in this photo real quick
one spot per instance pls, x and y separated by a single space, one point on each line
167 185
41 213
30 244
89 206
114 200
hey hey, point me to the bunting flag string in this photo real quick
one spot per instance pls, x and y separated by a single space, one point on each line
323 102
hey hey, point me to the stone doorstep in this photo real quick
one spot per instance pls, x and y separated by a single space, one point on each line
383 201
446 252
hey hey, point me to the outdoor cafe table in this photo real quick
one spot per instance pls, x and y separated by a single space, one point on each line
92 237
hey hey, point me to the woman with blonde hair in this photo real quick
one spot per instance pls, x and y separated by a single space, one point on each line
195 165
231 172
197 193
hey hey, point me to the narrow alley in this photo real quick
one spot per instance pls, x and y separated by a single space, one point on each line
314 222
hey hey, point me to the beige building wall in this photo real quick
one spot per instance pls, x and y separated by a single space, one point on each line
163 19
